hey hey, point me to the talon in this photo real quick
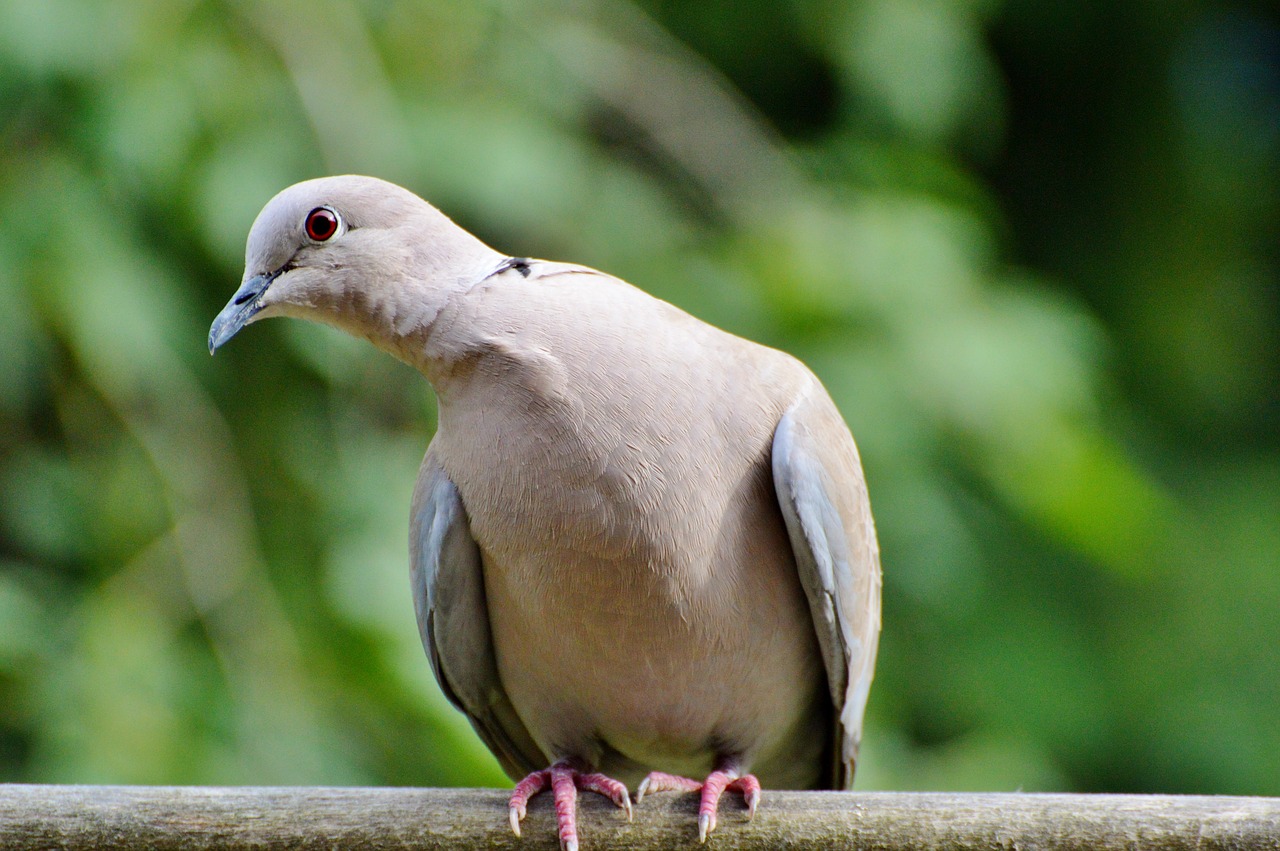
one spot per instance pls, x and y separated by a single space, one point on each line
749 786
565 779
525 789
726 777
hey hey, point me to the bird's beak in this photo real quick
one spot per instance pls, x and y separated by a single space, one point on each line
243 305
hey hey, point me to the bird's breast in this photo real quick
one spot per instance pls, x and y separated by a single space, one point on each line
637 569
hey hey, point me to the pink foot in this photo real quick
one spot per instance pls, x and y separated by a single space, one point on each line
714 786
565 781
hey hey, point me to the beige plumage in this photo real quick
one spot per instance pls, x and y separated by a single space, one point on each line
639 544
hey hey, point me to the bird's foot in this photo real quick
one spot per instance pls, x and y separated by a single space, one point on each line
565 780
712 788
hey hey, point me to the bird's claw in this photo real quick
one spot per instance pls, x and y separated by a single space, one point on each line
608 787
714 786
706 824
753 801
565 780
659 781
525 789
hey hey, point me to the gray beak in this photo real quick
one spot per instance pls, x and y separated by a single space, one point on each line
243 305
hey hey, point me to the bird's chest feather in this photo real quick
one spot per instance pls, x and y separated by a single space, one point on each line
634 553
544 473
551 458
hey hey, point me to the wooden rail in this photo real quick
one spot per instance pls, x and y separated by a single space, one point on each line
264 819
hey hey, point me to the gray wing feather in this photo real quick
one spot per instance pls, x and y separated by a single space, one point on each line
447 575
823 497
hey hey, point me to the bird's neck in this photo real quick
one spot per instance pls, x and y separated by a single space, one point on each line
401 317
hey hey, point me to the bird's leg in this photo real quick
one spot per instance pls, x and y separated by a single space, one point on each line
726 776
565 779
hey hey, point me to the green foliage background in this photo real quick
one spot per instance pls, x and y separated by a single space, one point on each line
1030 246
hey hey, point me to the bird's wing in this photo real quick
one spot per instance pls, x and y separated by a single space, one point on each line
453 619
823 497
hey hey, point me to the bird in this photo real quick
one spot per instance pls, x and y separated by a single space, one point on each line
641 547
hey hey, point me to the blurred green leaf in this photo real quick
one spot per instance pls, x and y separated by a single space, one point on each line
1029 248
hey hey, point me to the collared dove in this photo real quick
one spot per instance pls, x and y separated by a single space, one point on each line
641 547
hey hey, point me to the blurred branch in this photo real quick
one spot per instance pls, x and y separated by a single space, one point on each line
331 59
84 817
687 108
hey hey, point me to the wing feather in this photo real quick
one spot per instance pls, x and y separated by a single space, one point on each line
823 496
447 574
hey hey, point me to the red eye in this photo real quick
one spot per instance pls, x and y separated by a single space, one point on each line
321 223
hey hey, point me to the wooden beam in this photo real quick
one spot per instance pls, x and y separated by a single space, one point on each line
264 819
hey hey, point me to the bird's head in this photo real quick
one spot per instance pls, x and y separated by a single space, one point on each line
356 252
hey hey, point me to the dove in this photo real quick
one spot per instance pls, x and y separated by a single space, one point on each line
641 548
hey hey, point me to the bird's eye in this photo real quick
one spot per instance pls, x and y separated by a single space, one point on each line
321 224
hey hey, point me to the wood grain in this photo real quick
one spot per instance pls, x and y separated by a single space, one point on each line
162 818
